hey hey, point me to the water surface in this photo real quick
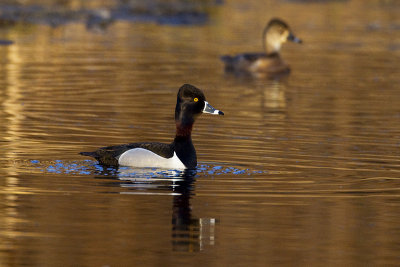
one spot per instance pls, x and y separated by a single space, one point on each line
303 169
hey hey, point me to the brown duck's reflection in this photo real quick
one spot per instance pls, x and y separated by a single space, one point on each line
189 233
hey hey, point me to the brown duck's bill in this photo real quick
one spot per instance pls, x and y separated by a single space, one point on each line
210 110
294 39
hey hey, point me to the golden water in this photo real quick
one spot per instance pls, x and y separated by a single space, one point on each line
301 170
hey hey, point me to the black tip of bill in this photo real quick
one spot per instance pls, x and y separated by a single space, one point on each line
210 110
294 39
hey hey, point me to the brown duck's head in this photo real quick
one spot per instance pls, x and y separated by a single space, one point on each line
276 33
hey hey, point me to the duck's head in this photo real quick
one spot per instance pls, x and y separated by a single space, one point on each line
190 103
275 34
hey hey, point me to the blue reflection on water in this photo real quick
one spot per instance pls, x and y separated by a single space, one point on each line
89 167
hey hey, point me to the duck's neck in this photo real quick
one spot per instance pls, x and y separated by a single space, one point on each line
183 145
271 43
184 130
272 48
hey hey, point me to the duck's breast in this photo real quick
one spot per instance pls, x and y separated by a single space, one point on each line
270 65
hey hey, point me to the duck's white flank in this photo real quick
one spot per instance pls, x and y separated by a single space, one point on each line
139 157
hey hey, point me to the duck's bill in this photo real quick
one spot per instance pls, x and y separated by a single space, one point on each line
210 110
294 39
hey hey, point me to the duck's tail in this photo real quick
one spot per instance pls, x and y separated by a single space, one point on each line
226 59
89 154
229 62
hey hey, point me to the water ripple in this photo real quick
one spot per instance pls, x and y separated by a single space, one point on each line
89 167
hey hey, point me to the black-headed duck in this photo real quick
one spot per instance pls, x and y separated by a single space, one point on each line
275 34
180 154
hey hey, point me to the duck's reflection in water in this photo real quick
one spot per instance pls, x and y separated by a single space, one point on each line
189 233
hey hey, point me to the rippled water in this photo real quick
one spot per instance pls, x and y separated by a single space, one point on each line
303 169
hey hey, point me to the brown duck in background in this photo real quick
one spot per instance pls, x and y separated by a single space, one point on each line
275 34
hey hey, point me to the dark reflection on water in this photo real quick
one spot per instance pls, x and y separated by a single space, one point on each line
188 233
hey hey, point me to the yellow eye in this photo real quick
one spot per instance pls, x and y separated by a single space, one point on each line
195 99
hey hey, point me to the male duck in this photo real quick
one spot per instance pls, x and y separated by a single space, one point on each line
275 34
180 154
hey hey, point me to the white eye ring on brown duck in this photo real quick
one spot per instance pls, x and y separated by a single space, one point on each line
180 154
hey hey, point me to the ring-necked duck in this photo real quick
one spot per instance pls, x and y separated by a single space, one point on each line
180 154
275 34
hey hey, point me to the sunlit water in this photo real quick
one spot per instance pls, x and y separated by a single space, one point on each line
303 169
